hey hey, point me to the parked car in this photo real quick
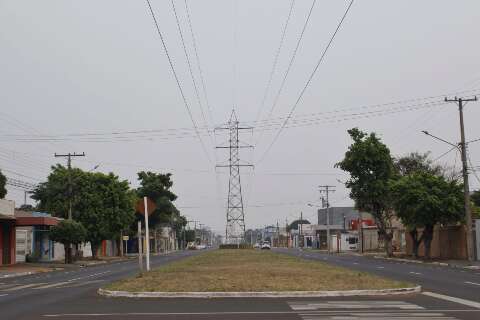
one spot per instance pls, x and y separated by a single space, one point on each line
266 246
257 245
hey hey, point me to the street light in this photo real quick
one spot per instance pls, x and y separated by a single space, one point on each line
440 139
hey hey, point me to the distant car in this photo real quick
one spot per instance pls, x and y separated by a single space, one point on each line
257 245
201 246
266 246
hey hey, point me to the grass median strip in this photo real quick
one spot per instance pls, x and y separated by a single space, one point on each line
251 270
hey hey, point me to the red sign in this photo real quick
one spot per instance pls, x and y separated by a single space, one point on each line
140 207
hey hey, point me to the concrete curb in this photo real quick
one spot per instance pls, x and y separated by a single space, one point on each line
274 294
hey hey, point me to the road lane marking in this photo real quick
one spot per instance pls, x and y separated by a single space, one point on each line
473 283
465 302
376 304
90 276
52 285
24 286
380 316
415 273
380 267
3 295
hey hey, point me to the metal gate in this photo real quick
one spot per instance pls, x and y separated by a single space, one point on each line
21 249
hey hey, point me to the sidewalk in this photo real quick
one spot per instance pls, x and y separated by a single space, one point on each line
23 269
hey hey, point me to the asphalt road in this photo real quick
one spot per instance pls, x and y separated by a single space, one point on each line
72 295
445 280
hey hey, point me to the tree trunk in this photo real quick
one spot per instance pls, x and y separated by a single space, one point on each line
94 247
416 242
428 236
388 244
66 247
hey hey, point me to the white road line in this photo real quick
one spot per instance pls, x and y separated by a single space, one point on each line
377 304
24 286
415 273
3 295
473 283
52 285
453 299
380 267
90 276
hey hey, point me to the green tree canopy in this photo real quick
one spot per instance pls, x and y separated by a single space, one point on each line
156 186
422 200
416 162
370 165
101 202
68 232
3 182
295 223
53 195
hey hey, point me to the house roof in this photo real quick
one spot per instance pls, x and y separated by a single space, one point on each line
26 218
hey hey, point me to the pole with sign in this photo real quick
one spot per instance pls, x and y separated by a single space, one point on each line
140 253
145 207
147 234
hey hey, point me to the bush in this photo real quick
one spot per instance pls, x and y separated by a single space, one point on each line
236 246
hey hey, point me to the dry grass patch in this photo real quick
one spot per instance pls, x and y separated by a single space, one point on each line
250 270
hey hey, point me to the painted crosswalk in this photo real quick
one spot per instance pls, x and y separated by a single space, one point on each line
352 310
298 306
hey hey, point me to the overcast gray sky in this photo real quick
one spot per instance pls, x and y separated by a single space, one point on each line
90 67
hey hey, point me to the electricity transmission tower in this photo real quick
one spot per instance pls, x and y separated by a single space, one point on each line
235 228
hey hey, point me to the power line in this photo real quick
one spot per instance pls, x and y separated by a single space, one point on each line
185 102
197 57
290 64
275 61
309 80
187 57
445 153
299 121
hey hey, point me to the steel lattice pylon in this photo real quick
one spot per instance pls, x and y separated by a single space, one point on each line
235 227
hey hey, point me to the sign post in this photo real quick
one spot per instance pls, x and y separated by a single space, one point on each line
147 234
145 207
140 253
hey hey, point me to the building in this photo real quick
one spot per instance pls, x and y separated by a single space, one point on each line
7 232
32 237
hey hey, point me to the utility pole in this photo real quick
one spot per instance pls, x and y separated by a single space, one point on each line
278 235
286 231
327 189
466 187
235 226
70 187
300 227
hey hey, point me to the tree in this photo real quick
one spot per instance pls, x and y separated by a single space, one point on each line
416 162
156 186
53 196
422 200
107 208
68 232
295 223
3 182
475 198
101 202
371 168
